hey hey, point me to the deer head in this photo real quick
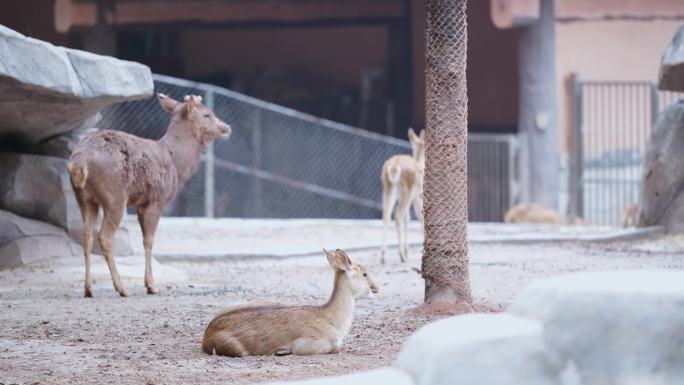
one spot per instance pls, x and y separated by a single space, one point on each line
200 119
417 146
361 281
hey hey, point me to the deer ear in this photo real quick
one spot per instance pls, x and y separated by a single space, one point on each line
166 102
331 258
422 134
412 135
191 101
342 260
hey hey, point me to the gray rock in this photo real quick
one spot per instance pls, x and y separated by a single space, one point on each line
63 145
38 187
494 349
381 376
24 241
661 200
47 90
613 327
671 76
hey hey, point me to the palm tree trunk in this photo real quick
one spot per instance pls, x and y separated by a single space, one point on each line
445 259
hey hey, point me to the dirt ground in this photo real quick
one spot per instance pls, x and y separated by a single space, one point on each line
50 334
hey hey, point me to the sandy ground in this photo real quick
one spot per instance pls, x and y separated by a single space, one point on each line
50 334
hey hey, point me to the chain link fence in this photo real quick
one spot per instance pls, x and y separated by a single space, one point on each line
280 163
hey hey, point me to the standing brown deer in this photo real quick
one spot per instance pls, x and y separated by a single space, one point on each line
113 170
281 330
402 183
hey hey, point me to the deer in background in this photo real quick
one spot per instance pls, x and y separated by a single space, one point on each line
532 213
282 330
402 185
113 170
629 217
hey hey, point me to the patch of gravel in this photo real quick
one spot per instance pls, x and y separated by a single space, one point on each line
49 334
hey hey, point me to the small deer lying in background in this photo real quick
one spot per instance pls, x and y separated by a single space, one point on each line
402 185
537 213
113 170
532 213
282 330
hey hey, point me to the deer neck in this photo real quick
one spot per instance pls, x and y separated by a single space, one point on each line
339 309
185 149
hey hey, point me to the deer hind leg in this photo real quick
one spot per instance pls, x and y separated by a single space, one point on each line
148 217
110 223
89 211
418 206
400 218
389 199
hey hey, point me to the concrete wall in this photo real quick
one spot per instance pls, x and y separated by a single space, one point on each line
337 53
606 50
33 18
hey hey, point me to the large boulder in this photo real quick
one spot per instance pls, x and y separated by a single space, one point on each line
612 327
661 200
63 145
672 64
493 349
38 187
24 241
47 90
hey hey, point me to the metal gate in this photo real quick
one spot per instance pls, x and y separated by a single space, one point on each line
613 120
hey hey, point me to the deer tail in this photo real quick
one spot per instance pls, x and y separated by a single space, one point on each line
78 172
393 173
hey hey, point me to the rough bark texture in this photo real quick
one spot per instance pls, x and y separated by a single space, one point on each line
445 260
537 115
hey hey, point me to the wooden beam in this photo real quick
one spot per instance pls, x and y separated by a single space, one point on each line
67 14
78 14
624 9
514 13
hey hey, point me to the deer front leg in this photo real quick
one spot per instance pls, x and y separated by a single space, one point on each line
148 217
110 223
311 346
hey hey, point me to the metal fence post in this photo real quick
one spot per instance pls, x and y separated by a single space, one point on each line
576 182
209 167
655 103
257 144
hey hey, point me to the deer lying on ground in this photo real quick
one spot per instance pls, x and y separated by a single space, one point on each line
282 330
113 170
532 213
537 213
402 185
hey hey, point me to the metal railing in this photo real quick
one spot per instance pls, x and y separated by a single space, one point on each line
613 120
281 163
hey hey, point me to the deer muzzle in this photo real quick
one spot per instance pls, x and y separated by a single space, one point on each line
224 129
